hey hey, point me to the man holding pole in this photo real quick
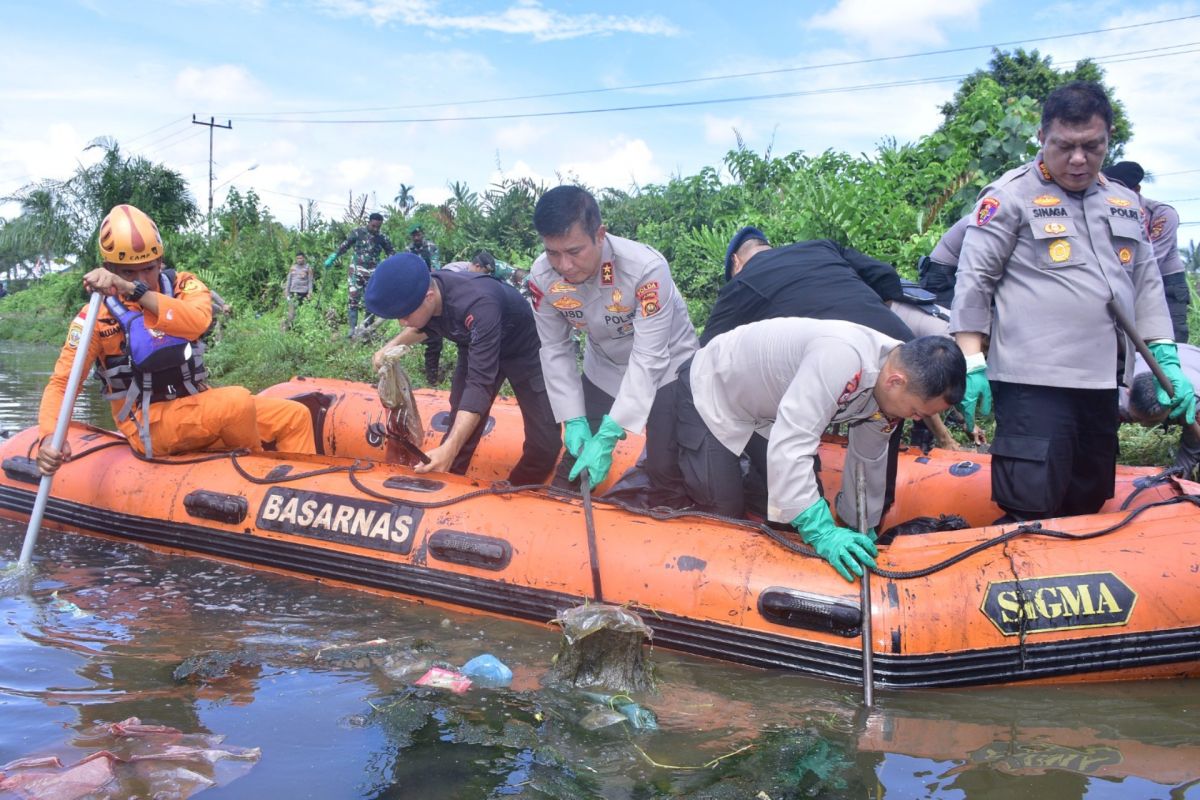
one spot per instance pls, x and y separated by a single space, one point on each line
160 399
1051 245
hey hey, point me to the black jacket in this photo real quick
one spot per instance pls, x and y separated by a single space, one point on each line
492 324
818 279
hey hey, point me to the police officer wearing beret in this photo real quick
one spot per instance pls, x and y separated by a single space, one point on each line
1052 243
1162 227
497 340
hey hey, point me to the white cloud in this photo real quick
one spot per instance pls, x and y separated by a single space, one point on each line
626 162
226 84
724 131
518 136
896 26
523 18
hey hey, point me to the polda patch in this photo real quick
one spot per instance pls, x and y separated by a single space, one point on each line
988 207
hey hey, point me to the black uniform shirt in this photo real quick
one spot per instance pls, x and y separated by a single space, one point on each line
490 322
818 279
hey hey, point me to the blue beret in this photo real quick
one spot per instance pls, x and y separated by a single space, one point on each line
397 286
1129 173
739 238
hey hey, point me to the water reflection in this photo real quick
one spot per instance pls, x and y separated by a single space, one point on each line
100 632
24 370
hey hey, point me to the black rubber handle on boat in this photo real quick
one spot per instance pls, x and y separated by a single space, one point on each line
1142 348
585 488
416 451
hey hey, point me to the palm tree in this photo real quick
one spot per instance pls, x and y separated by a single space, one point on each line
405 199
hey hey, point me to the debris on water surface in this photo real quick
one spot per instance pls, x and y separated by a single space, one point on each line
602 647
216 664
488 672
132 760
438 678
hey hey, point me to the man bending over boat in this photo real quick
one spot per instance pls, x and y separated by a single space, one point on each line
786 380
148 354
493 327
1140 403
621 294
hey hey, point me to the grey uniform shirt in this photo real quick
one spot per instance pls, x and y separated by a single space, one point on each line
1050 260
638 331
949 247
788 379
1162 225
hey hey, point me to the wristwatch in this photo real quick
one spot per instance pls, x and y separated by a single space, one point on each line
139 289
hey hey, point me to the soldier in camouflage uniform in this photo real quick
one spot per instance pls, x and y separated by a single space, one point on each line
428 251
367 242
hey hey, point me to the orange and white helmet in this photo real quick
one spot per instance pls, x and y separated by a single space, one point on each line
128 236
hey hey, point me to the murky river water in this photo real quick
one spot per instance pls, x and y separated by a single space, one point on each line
97 637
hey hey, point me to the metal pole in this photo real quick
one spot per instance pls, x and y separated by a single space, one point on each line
212 126
868 664
60 429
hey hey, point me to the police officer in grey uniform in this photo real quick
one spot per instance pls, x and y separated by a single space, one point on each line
787 379
621 294
1162 226
1052 243
936 271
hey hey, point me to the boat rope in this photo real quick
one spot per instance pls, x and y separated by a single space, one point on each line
787 539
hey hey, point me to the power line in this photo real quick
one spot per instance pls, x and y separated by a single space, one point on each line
1136 55
733 76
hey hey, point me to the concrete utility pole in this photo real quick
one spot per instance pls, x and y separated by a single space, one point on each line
212 125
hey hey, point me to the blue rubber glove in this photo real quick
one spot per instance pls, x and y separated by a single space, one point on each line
576 433
1183 403
596 455
978 391
329 261
844 549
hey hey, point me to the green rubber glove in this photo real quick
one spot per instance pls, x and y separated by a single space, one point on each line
329 261
576 433
978 391
1183 403
596 455
844 549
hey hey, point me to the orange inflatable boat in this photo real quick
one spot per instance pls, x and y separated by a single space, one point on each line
1105 597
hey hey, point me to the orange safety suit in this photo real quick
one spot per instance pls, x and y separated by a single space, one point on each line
224 418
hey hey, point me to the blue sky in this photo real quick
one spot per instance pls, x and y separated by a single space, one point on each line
476 91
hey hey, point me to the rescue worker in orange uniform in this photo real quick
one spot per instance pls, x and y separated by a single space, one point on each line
161 402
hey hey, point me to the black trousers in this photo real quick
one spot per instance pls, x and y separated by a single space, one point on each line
542 442
661 456
1179 296
433 357
1055 450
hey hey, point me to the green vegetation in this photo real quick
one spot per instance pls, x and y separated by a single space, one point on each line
893 203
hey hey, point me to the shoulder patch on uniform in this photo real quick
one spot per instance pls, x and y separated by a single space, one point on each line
469 321
646 288
74 334
566 303
988 207
1156 228
649 303
606 274
190 285
850 388
1046 200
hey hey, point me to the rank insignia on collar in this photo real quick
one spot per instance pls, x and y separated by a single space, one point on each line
1046 176
1060 250
606 274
